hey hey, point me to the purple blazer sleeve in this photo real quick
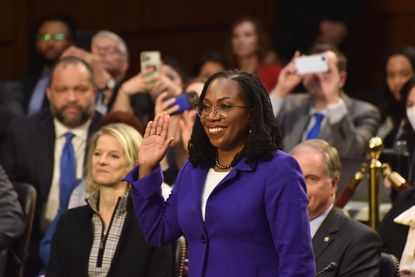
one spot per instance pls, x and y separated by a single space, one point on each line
157 218
286 209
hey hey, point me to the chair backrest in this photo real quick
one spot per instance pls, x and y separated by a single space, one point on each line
18 252
389 265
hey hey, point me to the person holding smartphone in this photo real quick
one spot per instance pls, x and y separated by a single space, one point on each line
138 94
239 201
325 111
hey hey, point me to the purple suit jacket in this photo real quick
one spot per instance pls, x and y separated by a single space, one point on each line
256 219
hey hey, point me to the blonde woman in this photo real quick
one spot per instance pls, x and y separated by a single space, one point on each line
103 237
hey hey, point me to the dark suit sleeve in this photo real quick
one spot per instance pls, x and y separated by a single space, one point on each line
363 256
162 263
351 134
7 151
12 221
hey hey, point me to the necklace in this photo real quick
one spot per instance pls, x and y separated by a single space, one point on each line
220 166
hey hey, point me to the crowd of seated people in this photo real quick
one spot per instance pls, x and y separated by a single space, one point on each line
68 94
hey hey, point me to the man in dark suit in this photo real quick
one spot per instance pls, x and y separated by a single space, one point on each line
325 111
348 246
52 35
34 144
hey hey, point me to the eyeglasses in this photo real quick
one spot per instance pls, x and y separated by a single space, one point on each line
222 109
49 36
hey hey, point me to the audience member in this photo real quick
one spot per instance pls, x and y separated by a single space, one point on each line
11 105
52 36
180 126
325 111
397 231
103 238
109 60
354 247
209 63
47 149
248 50
239 202
138 94
12 221
303 23
12 218
407 133
400 67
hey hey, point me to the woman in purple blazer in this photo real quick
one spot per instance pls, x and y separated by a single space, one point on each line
239 201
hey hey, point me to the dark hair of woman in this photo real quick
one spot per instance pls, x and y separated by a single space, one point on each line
173 63
406 89
209 56
264 137
390 105
264 52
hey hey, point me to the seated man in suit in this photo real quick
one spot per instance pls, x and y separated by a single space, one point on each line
325 111
47 149
353 247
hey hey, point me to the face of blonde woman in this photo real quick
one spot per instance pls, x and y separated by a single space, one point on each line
244 40
398 71
109 163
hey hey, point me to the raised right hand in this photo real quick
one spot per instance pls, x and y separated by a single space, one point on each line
288 79
154 144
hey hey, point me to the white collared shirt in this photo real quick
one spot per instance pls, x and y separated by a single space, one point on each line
79 143
316 222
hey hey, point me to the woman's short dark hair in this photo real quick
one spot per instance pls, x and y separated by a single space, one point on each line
209 56
264 137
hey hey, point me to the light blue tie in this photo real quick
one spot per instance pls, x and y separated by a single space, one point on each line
39 93
67 180
315 130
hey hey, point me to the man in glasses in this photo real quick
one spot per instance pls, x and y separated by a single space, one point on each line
52 36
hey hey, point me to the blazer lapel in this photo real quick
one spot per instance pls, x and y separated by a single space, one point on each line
326 233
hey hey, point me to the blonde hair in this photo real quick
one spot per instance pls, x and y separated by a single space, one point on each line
129 140
329 153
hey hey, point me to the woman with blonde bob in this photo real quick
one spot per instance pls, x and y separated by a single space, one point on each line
103 237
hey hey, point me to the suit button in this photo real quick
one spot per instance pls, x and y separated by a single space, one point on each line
203 238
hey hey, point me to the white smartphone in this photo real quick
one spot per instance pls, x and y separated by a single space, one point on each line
150 61
311 64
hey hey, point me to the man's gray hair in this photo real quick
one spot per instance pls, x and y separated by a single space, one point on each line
122 46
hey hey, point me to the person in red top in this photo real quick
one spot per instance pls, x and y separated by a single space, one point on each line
248 50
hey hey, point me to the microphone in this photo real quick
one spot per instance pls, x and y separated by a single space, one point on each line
330 267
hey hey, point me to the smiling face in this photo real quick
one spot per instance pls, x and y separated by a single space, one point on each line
321 189
398 71
109 162
226 131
